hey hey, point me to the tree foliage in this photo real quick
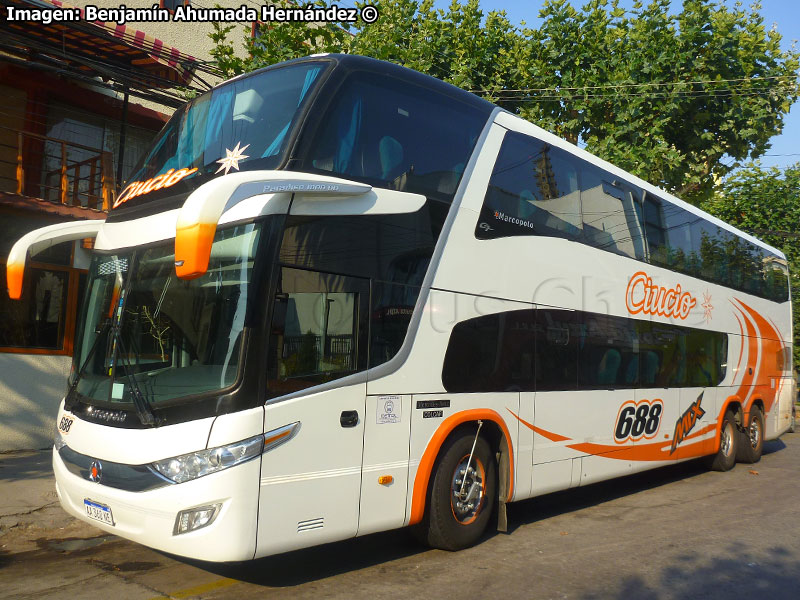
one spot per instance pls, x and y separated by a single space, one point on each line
630 92
672 98
264 44
766 203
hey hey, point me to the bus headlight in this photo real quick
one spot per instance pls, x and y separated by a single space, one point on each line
197 464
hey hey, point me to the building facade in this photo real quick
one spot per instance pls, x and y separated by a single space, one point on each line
79 103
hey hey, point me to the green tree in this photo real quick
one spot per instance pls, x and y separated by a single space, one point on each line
628 86
462 45
766 203
265 44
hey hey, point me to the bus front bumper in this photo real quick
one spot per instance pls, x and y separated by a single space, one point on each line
149 518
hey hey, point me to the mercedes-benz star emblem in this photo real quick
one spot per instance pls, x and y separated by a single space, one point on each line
96 471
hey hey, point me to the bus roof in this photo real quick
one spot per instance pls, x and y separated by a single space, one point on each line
355 62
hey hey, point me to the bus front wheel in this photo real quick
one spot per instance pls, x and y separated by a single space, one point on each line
462 494
725 458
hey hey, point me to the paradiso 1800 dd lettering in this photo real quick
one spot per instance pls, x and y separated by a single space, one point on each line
643 296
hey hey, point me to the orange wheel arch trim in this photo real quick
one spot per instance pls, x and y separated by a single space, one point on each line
425 467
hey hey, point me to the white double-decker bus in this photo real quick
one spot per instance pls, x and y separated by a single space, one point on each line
339 297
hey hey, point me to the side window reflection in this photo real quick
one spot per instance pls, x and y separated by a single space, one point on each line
318 330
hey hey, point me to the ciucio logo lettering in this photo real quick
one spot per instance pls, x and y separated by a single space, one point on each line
138 188
643 296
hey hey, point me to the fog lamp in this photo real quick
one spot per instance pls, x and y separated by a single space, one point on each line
195 518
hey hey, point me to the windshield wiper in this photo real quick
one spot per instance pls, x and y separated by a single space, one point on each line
140 401
118 350
69 401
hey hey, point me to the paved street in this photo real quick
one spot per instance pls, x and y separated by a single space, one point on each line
679 532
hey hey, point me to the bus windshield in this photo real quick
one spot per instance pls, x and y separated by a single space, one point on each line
247 118
146 333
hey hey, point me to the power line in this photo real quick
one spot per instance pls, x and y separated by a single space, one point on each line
558 89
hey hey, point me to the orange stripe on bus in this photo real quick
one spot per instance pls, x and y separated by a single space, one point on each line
654 451
435 444
768 373
741 345
553 437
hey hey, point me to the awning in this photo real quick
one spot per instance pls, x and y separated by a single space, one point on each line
97 48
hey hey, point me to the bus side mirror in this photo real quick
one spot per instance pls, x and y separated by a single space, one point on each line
41 239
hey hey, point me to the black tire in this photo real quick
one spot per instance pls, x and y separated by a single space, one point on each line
751 440
725 457
448 523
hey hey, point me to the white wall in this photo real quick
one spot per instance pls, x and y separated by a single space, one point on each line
31 388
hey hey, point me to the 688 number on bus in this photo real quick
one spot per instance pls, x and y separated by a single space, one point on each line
637 420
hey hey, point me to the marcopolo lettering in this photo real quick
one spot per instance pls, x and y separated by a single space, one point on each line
500 216
643 296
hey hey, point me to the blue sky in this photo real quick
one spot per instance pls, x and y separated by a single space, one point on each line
784 13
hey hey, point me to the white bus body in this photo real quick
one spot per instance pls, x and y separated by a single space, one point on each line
383 339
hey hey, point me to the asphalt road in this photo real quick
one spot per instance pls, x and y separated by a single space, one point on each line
678 532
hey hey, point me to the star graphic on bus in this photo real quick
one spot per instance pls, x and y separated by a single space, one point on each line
707 306
232 159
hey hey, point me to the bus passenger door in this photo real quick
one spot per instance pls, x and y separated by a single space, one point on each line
311 482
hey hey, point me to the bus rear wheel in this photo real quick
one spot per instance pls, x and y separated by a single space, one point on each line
725 458
751 442
462 494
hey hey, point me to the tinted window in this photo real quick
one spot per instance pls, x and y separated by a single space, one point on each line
533 191
384 247
251 116
536 189
609 353
491 353
559 335
612 216
551 350
319 330
396 135
685 242
391 251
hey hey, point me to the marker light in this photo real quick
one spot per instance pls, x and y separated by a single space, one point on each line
195 518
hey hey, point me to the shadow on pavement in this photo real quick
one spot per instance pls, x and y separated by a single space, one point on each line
319 562
736 575
15 466
545 507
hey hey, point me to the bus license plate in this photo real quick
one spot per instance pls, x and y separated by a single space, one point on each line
98 512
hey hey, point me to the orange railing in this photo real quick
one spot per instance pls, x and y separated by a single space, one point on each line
60 171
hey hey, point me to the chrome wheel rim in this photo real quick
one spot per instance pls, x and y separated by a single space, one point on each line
467 491
726 440
755 433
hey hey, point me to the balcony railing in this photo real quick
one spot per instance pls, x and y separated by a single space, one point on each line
57 170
